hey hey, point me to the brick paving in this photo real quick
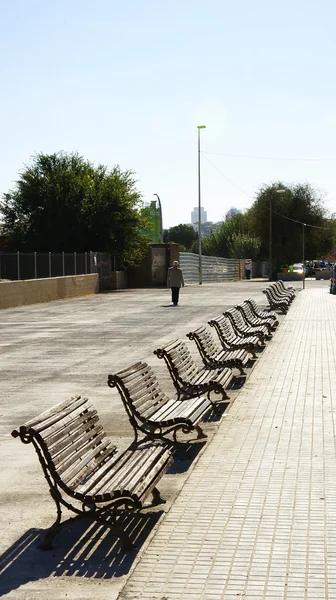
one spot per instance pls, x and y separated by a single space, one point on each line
256 518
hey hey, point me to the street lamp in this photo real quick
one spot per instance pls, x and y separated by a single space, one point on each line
199 127
270 230
160 208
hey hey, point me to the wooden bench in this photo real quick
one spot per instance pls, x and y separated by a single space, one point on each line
85 472
283 292
189 379
288 290
243 328
268 315
274 302
214 357
247 313
151 411
230 339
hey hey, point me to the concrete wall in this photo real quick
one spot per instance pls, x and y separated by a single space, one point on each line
118 280
33 291
323 274
153 269
290 276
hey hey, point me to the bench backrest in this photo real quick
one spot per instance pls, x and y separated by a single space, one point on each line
69 441
271 294
179 362
250 317
246 312
282 291
282 286
139 390
259 312
225 330
205 343
236 318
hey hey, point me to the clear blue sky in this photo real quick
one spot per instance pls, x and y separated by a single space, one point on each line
128 83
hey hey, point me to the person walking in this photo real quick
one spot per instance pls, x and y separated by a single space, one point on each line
175 281
248 269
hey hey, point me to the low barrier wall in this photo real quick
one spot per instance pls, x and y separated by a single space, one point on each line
290 276
33 291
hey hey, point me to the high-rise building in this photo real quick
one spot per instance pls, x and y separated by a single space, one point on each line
194 217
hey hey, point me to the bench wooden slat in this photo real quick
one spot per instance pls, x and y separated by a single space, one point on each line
131 481
113 464
185 409
66 448
157 413
148 406
52 417
144 487
120 475
76 457
89 461
65 425
126 473
62 435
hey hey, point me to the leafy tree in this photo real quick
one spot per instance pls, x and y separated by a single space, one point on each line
63 203
300 202
230 240
182 234
245 246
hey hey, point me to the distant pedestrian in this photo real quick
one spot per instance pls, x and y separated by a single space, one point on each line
175 281
248 270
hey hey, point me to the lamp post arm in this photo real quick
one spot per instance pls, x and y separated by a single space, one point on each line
160 209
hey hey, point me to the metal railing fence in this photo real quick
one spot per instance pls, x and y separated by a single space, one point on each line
38 265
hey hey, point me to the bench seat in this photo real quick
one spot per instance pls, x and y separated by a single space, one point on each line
80 463
189 379
243 328
151 411
275 302
267 315
229 339
215 357
251 319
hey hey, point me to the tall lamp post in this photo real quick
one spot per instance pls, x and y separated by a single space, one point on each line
270 230
199 127
160 208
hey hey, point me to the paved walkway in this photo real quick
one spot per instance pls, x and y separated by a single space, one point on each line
257 515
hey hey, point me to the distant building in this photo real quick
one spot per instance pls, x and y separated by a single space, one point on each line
232 213
194 217
209 226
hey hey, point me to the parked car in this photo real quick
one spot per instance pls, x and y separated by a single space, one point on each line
300 268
